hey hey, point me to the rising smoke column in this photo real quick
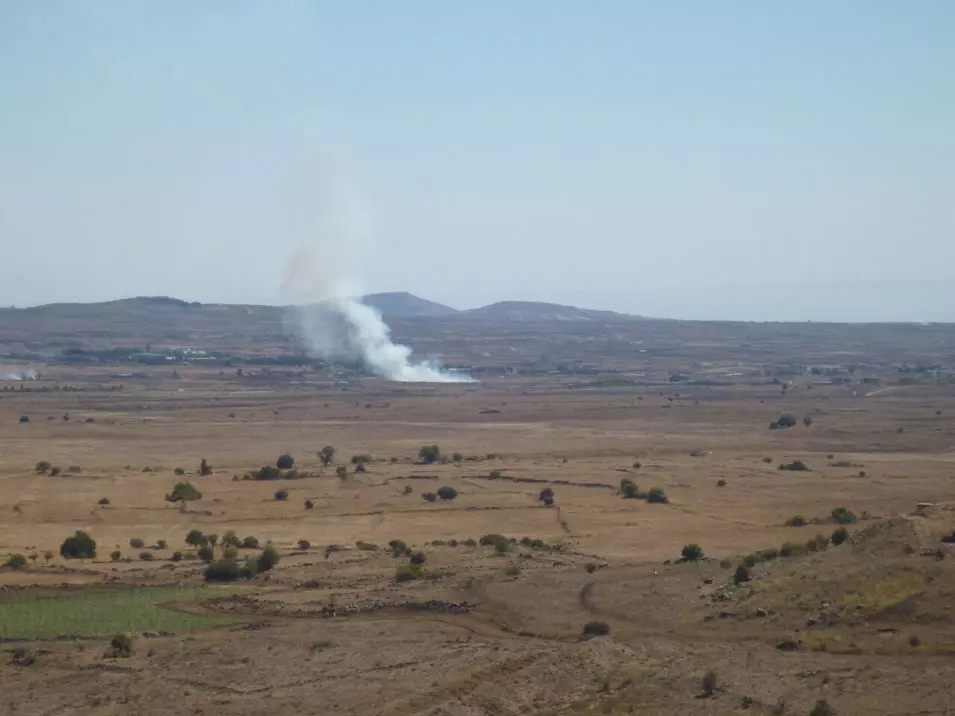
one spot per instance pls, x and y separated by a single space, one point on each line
322 278
28 374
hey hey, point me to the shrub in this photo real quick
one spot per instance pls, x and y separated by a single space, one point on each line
447 493
790 549
145 556
267 560
304 544
502 547
417 558
862 473
74 469
285 462
367 546
341 472
43 467
657 496
195 538
281 495
147 469
637 465
266 472
595 628
493 540
795 466
796 521
452 543
309 504
741 575
176 557
183 492
250 542
457 457
429 454
721 483
843 516
726 563
326 455
629 490
786 420
229 539
136 543
54 471
115 555
103 501
768 460
79 546
495 474
179 471
407 490
709 683
407 573
361 458
807 421
545 494
429 496
692 553
206 553
839 535
204 468
16 561
398 547
822 708
222 570
121 645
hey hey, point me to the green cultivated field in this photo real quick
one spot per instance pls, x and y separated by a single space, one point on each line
105 612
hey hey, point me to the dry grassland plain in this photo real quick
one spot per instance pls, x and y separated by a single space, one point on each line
862 627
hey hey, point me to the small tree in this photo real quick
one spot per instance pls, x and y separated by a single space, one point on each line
843 516
267 560
447 493
230 539
48 557
457 457
183 492
16 561
429 454
657 496
223 570
742 575
304 544
195 538
342 472
417 558
285 462
79 546
179 471
212 540
326 455
206 553
692 553
839 536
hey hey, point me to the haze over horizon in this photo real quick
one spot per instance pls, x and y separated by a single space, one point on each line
741 161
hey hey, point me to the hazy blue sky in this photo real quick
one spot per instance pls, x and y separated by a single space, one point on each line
673 158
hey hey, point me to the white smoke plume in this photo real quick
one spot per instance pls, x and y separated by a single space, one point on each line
28 374
323 278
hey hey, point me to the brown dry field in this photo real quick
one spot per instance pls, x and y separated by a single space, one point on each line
849 612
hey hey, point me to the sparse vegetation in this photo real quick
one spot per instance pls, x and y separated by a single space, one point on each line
16 562
79 546
195 538
407 573
843 516
183 492
429 454
222 570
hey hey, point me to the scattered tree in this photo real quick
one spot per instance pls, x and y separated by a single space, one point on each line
121 646
742 575
429 454
304 544
250 542
796 521
267 560
843 516
545 494
407 573
183 492
342 472
266 473
285 462
721 483
179 471
206 553
54 471
361 457
417 558
657 496
692 553
839 535
457 457
16 561
787 420
195 538
79 546
230 539
146 556
447 493
309 504
223 570
326 455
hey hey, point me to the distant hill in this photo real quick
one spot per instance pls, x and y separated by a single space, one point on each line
534 311
402 304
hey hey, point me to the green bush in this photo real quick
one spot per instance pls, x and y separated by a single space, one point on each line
657 496
223 570
250 542
183 492
230 539
692 553
206 553
326 455
146 556
121 645
398 547
268 559
285 462
179 471
417 558
79 546
843 516
839 536
596 628
407 573
195 538
16 561
266 473
429 454
796 521
447 493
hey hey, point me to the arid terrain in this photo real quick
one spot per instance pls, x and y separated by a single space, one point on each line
604 411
